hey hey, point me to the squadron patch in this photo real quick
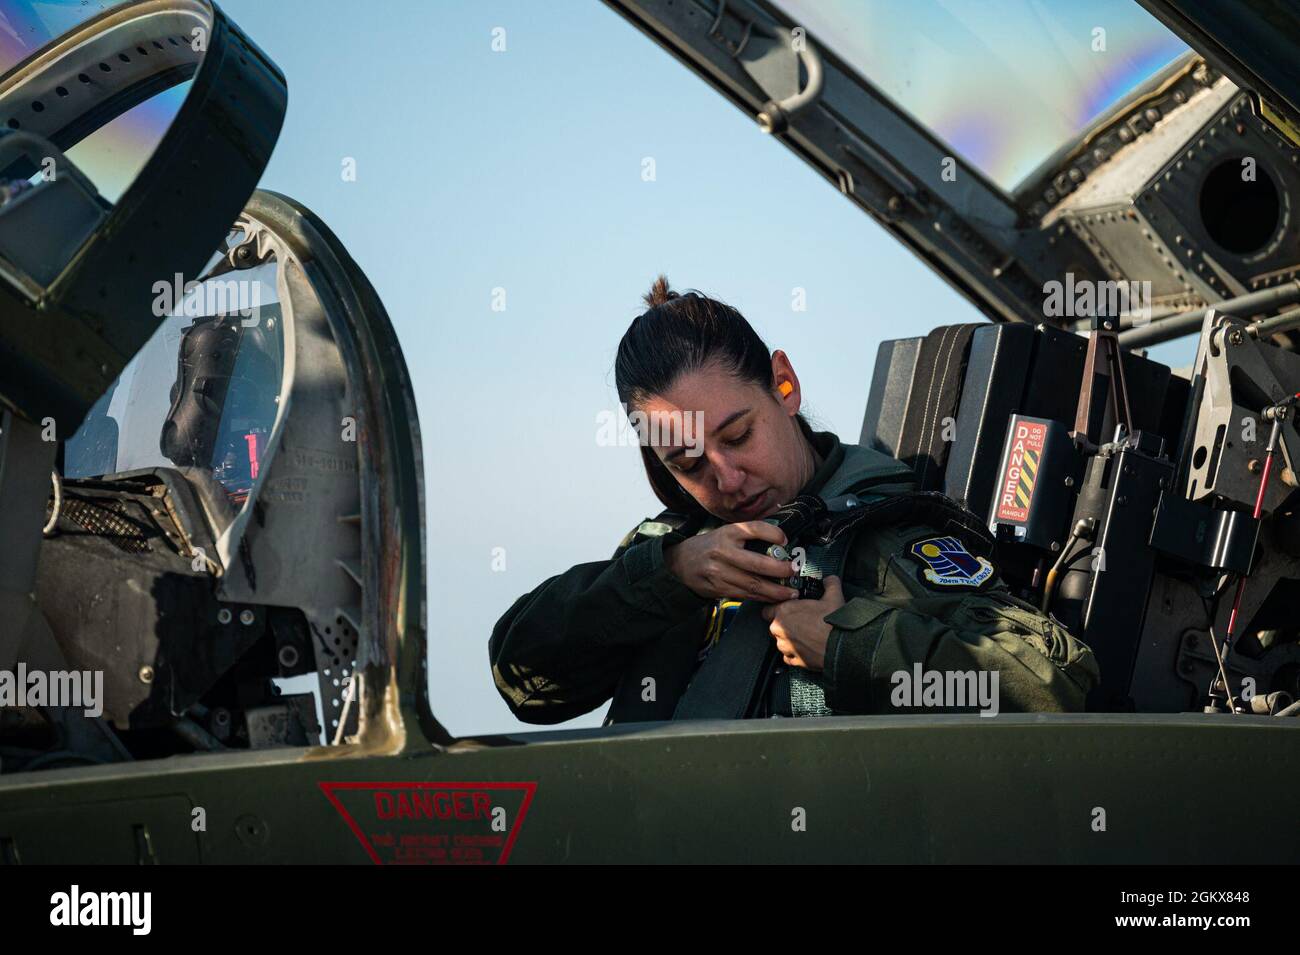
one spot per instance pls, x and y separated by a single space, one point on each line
947 563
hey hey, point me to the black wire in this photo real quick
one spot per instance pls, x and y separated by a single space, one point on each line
1070 562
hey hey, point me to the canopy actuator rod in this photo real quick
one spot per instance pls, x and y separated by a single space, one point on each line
1189 323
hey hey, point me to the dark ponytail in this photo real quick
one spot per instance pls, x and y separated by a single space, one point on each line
676 335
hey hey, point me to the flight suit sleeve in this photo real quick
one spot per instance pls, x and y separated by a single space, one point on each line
1041 667
561 649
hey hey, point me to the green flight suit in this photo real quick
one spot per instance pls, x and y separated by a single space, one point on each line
627 629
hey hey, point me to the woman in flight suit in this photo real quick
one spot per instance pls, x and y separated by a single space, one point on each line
912 591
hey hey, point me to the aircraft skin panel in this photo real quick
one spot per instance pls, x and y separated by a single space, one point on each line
884 789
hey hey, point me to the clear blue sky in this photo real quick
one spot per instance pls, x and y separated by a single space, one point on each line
521 170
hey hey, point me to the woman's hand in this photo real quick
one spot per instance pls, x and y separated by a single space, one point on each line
715 564
799 630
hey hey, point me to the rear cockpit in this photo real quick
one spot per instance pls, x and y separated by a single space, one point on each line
210 507
184 533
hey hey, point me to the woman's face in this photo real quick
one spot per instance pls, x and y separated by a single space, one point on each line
734 445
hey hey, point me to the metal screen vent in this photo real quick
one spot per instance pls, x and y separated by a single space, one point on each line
108 519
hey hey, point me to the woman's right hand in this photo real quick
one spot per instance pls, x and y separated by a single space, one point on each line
716 564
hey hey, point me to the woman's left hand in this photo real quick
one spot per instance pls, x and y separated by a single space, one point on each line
798 627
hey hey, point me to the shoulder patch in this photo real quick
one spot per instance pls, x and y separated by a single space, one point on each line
946 563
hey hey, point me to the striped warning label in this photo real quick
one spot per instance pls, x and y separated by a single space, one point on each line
1020 471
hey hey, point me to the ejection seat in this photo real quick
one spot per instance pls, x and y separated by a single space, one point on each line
941 402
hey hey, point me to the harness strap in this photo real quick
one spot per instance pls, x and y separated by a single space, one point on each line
723 687
734 673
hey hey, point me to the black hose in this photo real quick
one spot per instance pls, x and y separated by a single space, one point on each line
197 736
64 755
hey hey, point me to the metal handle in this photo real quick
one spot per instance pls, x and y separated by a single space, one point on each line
775 117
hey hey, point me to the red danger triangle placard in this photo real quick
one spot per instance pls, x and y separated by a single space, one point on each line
433 823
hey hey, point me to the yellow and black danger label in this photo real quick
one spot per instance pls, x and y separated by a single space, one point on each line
1020 471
